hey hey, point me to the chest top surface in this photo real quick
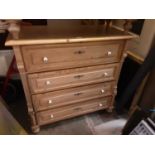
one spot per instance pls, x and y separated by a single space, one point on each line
30 35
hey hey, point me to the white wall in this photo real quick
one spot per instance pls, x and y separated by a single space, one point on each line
146 37
141 44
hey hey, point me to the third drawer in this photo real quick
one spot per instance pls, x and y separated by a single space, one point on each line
70 96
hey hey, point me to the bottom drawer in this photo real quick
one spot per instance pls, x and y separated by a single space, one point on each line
64 112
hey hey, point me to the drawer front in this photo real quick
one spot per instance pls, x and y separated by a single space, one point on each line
47 57
70 96
44 82
57 114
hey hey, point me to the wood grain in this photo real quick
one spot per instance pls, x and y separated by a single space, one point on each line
32 35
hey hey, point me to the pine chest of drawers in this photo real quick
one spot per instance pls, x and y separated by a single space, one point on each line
68 73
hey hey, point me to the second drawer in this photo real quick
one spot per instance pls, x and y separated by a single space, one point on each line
51 81
70 96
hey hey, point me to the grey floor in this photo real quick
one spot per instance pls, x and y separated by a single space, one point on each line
98 123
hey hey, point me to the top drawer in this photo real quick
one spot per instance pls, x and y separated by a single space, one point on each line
50 57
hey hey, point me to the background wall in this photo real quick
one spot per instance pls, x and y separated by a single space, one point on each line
146 37
141 44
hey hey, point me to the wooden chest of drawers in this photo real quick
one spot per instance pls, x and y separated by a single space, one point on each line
68 75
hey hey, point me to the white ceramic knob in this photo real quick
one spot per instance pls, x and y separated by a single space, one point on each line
105 74
50 101
51 116
48 82
109 53
45 59
100 105
102 90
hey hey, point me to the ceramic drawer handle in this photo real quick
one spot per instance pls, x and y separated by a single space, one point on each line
48 82
103 103
105 74
51 116
100 105
78 76
45 59
79 52
50 101
102 90
109 53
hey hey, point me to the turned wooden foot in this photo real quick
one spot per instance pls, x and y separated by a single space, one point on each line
35 129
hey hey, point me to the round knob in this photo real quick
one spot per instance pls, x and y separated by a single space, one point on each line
109 53
102 90
48 82
105 74
45 59
51 116
100 105
50 101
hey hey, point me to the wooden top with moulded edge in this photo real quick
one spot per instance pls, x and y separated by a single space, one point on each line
30 35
